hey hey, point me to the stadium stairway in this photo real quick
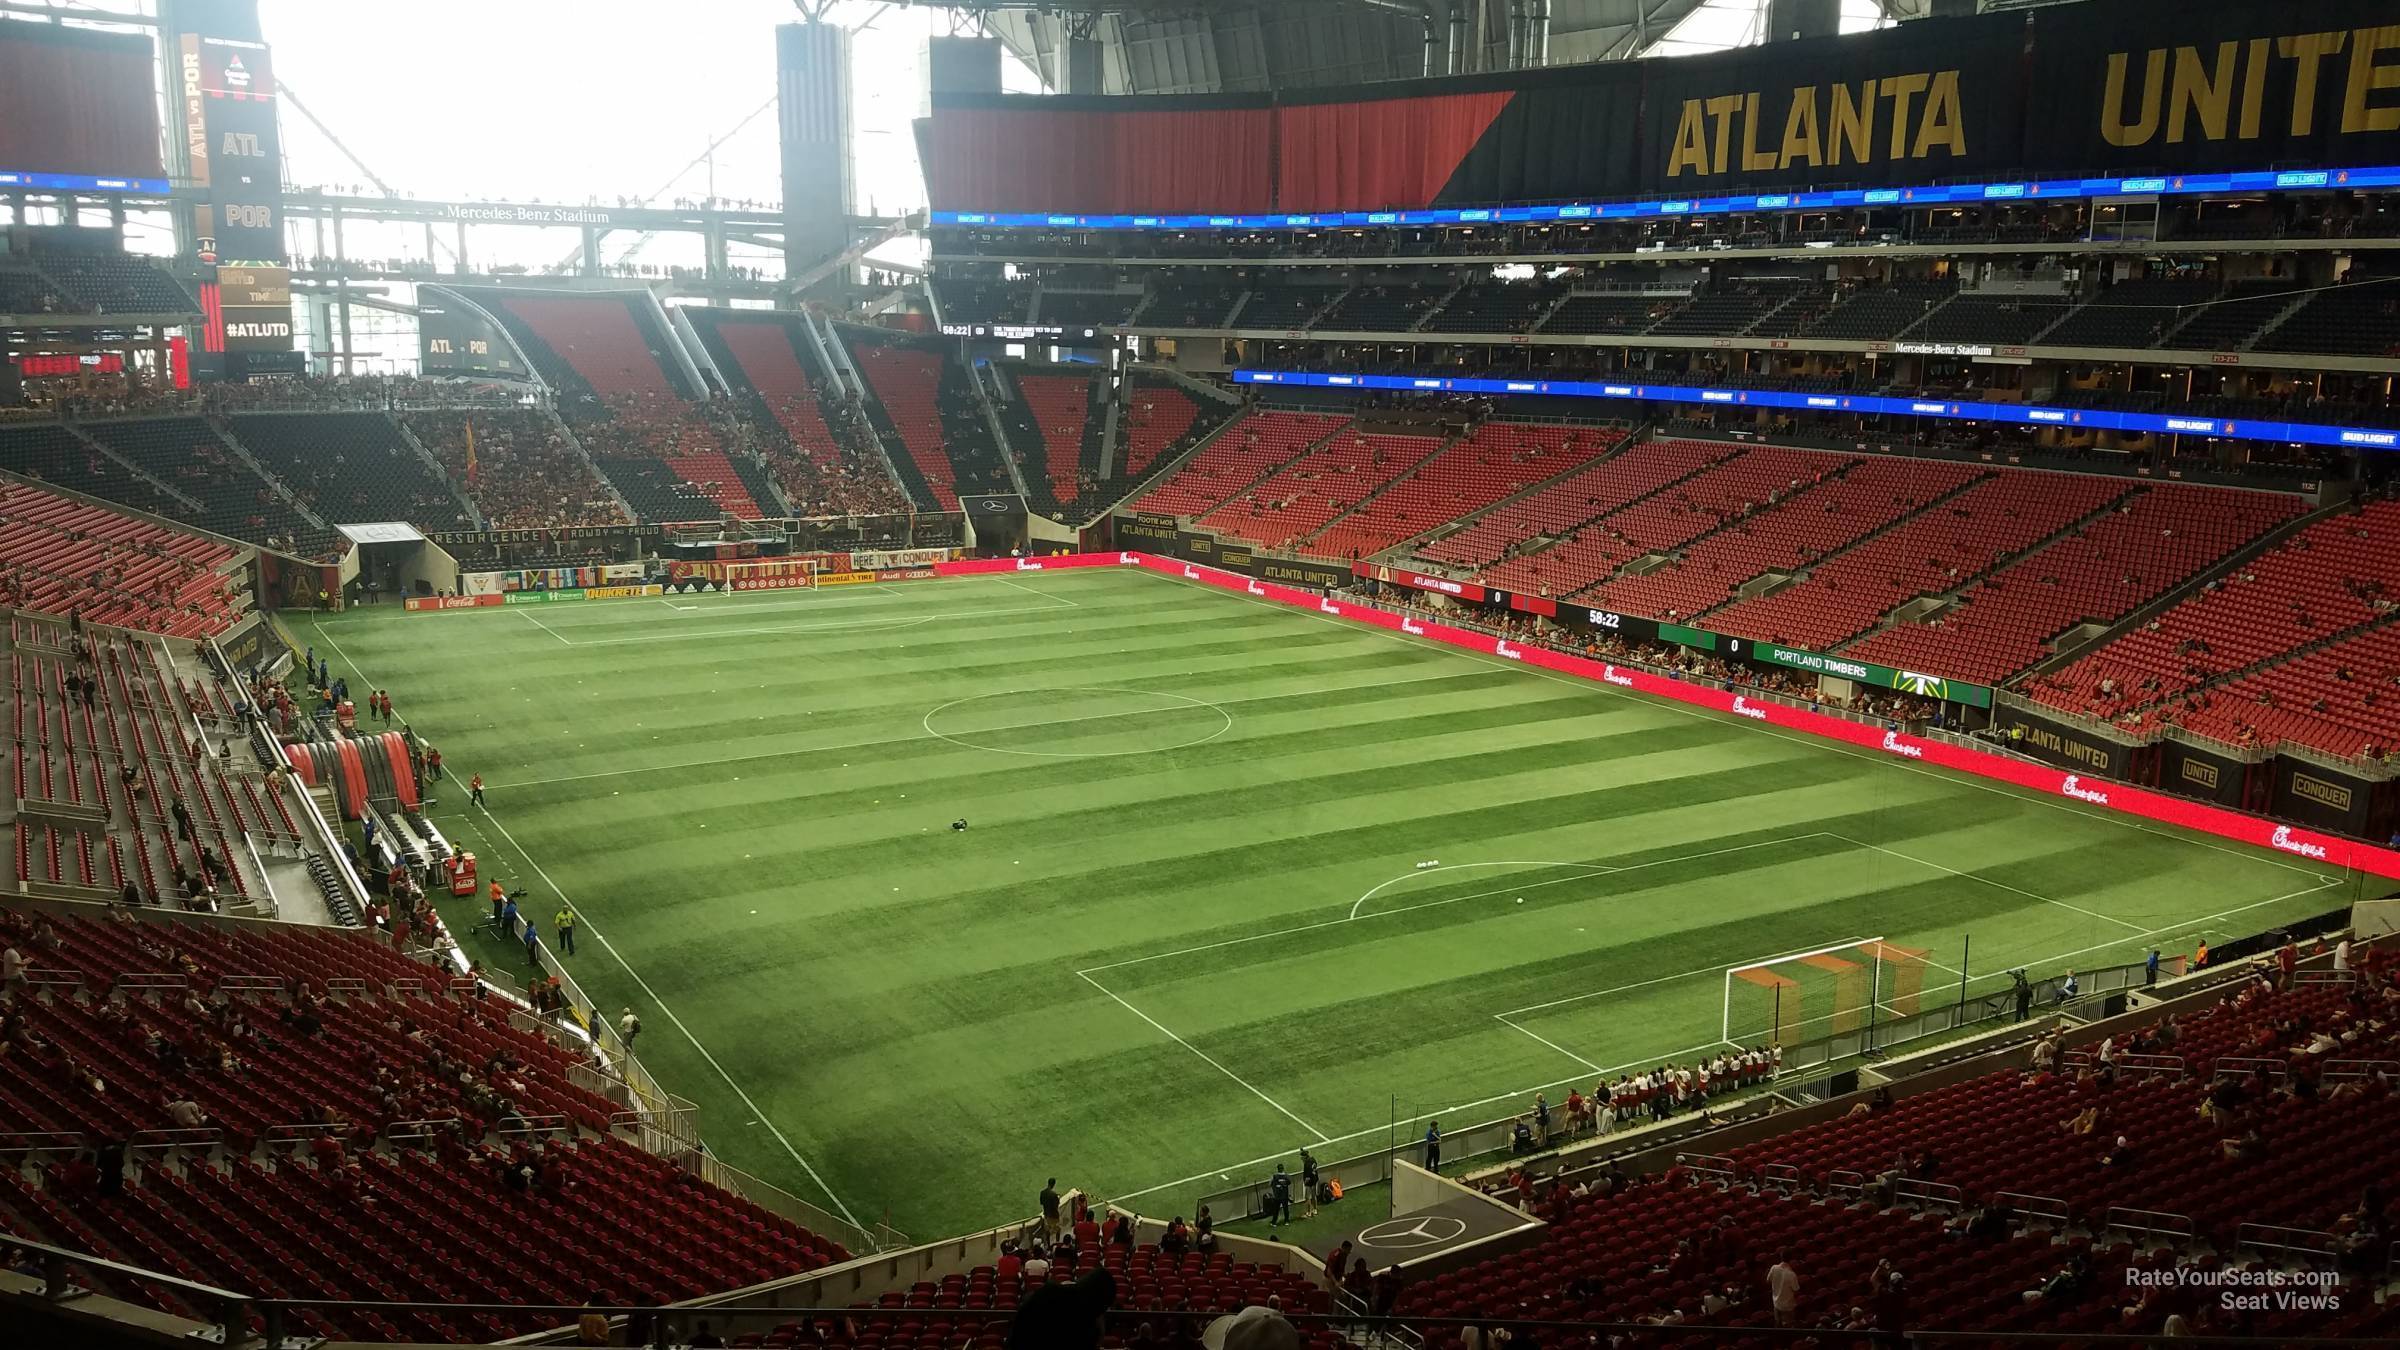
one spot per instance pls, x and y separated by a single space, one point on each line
1234 462
1178 428
1735 477
1861 497
1415 548
568 438
1985 527
1514 546
164 498
283 489
1508 456
2195 585
2158 537
457 490
1276 513
1919 516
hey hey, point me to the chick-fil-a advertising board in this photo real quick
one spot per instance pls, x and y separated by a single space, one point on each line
2303 845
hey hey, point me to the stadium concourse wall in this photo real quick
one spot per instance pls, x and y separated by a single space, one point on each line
2208 818
2127 87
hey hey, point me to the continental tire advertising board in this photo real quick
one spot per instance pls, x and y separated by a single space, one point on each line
2060 743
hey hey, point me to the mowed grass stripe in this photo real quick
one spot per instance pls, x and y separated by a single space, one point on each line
907 1038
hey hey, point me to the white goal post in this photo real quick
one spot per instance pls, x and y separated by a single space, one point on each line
1768 1000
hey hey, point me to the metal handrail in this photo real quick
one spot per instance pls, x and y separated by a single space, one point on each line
2138 1221
2044 1207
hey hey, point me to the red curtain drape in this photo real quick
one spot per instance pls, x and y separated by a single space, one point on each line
1071 160
1388 154
76 103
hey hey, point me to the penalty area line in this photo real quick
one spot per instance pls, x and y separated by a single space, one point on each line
1164 1030
1517 1095
647 992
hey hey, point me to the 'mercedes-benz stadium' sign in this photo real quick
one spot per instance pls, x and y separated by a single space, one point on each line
506 214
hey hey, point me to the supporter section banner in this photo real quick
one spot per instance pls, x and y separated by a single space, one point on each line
2152 88
1862 672
2144 84
2061 743
2327 799
1161 535
890 559
1157 533
510 580
1426 581
1910 104
2196 772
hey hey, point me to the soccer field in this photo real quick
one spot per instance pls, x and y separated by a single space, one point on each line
1188 928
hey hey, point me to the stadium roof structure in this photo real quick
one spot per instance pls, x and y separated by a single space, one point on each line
1251 46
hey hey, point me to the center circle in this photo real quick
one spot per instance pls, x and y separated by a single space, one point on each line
1078 722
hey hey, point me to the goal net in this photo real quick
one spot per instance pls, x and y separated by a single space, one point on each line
772 574
1806 996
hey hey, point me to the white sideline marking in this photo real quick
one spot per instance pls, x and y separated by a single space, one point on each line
1971 876
1796 738
647 992
1204 1055
528 615
1502 1019
1071 604
1523 1093
1213 1173
763 1118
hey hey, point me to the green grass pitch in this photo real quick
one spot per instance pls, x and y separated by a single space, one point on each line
1187 929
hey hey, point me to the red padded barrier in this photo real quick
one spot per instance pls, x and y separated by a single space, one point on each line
354 778
404 782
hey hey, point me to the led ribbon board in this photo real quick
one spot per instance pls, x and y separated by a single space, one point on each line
2018 414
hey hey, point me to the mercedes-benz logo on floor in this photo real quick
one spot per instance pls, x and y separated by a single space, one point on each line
1430 1230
